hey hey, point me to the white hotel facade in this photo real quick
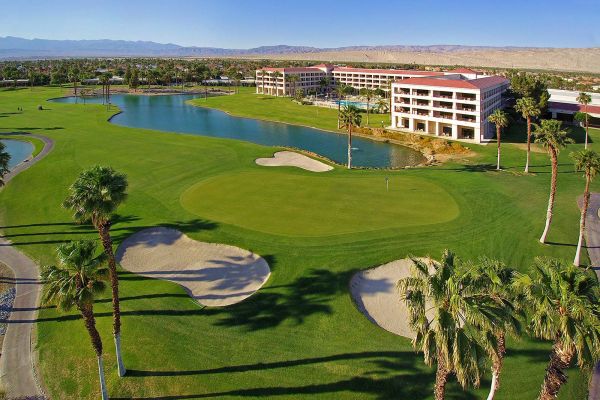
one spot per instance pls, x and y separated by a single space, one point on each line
452 104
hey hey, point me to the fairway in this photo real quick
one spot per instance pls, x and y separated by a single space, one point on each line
289 204
300 335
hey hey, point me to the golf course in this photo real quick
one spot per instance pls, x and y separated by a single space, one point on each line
300 334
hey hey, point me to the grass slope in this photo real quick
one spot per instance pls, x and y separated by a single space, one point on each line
300 335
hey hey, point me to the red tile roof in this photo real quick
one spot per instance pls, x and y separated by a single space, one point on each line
480 83
573 107
292 69
388 71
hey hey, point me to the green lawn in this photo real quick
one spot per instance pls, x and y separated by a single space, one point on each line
281 109
300 335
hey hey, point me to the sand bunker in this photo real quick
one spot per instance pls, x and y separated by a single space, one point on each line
291 159
213 274
375 293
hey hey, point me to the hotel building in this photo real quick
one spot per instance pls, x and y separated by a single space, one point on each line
453 104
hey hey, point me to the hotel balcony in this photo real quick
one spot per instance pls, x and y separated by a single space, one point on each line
444 115
443 95
442 104
421 92
405 92
424 113
466 118
465 96
423 103
466 107
405 110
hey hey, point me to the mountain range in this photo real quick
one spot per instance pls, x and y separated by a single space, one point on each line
15 47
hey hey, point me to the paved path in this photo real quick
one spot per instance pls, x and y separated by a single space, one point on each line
592 241
18 357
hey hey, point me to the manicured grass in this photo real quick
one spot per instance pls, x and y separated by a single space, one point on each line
281 109
329 204
300 335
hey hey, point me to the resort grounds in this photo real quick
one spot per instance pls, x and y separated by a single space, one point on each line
300 335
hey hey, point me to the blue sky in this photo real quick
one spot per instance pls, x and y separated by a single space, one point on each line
320 23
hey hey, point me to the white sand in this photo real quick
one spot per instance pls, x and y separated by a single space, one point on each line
213 274
292 159
375 293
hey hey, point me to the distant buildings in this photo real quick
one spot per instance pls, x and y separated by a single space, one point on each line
563 105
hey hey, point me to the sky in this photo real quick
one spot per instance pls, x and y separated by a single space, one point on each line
319 23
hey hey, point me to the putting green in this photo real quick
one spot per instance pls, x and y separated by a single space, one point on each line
298 205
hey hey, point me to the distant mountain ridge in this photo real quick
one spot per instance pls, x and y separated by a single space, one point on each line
15 47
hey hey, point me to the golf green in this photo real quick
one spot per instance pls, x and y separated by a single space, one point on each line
289 204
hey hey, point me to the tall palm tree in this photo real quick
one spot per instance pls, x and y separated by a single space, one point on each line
528 109
500 119
275 78
263 74
4 160
589 162
447 318
494 278
75 282
550 135
293 79
340 91
584 99
95 196
563 307
368 95
350 117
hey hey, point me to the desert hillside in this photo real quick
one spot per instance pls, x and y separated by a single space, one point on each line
580 60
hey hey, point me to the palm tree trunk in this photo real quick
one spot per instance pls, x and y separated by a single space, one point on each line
441 378
586 202
528 144
560 359
350 146
586 129
103 230
87 313
339 110
552 194
368 101
498 133
497 366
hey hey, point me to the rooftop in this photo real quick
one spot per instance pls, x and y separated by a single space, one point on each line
481 83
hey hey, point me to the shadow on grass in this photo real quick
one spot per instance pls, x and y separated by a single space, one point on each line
269 307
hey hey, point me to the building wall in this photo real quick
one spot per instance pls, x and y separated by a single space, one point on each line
456 113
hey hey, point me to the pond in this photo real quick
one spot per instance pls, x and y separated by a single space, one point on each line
171 113
18 150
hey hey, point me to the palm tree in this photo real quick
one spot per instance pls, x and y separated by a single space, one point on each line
367 94
95 196
340 91
382 106
447 317
584 99
74 282
589 162
275 78
528 109
550 135
500 119
293 79
350 117
4 160
494 278
563 307
263 73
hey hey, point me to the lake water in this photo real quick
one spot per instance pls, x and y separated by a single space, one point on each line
18 151
171 113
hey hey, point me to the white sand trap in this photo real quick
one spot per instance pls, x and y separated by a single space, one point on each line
375 293
213 274
291 159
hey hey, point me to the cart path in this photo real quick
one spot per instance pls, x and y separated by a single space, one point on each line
17 361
